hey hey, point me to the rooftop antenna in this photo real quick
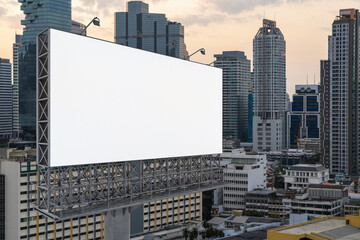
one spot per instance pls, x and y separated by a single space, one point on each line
307 79
314 78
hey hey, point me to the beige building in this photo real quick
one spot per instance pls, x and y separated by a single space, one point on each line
172 211
22 221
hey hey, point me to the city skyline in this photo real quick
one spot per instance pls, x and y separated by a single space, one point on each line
210 24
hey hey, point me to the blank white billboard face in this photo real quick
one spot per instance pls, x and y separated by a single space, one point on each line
111 103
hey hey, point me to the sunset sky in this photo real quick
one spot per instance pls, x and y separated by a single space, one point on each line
216 25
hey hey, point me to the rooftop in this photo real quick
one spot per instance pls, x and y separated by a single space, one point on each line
307 167
216 221
330 228
262 192
326 186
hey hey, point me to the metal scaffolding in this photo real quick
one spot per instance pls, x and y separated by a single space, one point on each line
74 191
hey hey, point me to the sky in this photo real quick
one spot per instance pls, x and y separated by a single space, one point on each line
216 25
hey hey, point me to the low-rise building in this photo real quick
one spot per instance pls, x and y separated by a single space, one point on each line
352 207
244 172
347 227
259 200
301 175
321 200
289 157
309 144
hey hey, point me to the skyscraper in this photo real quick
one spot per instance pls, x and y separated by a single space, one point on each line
344 93
38 16
15 86
236 84
269 88
325 113
5 99
149 31
304 117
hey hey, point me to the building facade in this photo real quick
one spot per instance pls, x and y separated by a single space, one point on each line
304 117
236 84
300 176
344 106
5 99
15 86
38 16
22 221
243 173
269 88
149 31
325 112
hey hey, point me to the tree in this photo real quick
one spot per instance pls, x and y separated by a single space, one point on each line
185 233
194 233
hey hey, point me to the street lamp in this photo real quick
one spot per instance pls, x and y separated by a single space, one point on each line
95 21
201 50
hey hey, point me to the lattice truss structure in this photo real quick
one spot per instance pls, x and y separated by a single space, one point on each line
73 191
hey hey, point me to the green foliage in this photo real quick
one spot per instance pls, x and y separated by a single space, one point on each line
186 233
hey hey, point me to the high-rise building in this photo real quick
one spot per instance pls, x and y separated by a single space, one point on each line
269 88
5 99
304 117
22 221
2 206
149 31
38 16
78 28
325 113
344 93
236 84
15 86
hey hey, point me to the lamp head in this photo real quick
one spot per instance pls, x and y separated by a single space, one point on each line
202 51
96 21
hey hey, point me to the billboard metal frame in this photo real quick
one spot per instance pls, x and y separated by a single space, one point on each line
74 191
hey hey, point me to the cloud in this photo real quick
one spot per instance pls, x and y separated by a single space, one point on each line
238 6
3 11
189 20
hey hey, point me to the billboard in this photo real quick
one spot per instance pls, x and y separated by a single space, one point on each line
111 103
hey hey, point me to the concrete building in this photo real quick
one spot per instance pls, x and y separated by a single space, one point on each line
244 173
2 206
304 117
236 84
149 31
288 157
320 200
300 176
15 86
325 112
5 99
352 207
347 227
309 144
344 128
269 88
171 211
22 221
259 201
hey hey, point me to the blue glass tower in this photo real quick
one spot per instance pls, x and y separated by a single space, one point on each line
39 14
304 117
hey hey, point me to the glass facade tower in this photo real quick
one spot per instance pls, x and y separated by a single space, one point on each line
5 99
304 116
149 31
39 14
236 86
